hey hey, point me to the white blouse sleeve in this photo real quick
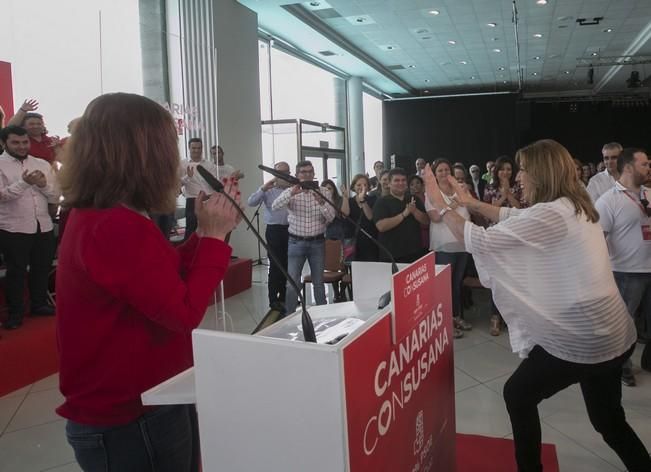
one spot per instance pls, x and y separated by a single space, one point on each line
538 228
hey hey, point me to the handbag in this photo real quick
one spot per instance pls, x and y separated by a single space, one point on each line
349 245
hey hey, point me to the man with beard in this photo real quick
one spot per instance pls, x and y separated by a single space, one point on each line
26 236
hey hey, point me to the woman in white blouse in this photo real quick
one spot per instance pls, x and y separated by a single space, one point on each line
448 249
550 274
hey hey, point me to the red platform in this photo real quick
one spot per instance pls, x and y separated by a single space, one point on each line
238 277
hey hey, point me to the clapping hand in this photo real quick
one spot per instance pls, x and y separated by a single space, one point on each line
35 177
463 195
190 171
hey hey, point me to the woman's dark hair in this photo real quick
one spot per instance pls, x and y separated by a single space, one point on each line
415 177
124 151
359 177
499 163
460 166
335 197
438 162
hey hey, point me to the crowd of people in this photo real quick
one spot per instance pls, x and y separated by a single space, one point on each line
564 247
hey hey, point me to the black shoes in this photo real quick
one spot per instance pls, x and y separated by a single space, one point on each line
12 324
43 310
628 378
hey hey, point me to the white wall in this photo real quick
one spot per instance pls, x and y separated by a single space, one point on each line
64 53
238 104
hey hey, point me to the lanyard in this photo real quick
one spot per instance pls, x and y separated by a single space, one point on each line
639 204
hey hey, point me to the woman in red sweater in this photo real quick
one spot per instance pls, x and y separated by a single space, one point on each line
126 300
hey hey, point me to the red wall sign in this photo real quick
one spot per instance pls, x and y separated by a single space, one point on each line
400 397
6 90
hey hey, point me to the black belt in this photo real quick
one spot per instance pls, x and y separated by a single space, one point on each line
306 238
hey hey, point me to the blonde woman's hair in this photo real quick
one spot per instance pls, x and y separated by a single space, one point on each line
552 175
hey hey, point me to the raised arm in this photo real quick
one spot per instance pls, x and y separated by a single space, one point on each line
28 105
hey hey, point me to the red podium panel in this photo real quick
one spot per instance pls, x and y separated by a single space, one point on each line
400 397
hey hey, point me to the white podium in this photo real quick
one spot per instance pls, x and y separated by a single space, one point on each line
274 403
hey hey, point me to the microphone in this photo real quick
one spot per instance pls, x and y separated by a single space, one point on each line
304 184
385 299
306 320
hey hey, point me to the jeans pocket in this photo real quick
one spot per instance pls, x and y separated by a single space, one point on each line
89 451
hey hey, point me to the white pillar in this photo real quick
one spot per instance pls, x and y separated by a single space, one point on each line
355 126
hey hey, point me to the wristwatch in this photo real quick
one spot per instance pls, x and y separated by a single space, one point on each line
444 211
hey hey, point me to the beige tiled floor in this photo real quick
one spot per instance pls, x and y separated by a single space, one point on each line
32 436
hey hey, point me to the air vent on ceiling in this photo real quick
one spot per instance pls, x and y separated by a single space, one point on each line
327 53
396 67
327 13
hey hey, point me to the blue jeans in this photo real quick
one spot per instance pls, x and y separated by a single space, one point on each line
297 252
635 289
458 261
163 440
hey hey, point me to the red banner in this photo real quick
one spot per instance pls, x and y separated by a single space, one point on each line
6 90
400 397
413 295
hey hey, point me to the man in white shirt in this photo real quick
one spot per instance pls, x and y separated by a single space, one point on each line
193 183
605 180
26 236
420 166
624 217
225 170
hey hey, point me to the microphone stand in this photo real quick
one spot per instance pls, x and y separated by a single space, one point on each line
306 320
385 299
256 215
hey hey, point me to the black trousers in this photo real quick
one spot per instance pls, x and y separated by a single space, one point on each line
190 218
542 375
277 237
19 251
165 222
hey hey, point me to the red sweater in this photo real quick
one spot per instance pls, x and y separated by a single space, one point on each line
126 305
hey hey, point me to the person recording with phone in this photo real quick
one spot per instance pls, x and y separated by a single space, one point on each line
398 217
308 217
276 233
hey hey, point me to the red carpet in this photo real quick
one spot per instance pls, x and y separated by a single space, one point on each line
28 353
484 454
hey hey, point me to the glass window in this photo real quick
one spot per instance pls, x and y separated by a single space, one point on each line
372 132
66 53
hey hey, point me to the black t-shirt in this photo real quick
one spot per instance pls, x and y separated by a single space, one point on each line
404 239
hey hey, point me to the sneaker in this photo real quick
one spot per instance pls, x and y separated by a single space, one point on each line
496 326
461 324
628 378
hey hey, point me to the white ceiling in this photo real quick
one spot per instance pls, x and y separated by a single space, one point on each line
483 58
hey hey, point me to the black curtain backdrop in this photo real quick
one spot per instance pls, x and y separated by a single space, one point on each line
476 129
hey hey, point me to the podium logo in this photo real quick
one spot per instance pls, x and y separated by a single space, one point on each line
420 433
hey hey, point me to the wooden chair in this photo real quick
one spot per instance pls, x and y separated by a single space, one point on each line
334 268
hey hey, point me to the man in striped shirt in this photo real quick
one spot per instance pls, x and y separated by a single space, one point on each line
308 216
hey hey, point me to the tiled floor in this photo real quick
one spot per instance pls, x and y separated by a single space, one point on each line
32 436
